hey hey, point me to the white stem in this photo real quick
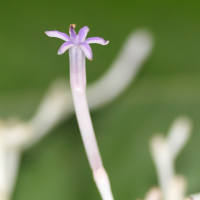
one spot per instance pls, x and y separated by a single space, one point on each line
163 162
13 161
3 174
78 86
56 105
124 69
153 194
165 151
195 196
179 135
86 129
177 188
103 183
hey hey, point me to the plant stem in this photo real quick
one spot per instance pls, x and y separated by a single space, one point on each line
3 174
78 86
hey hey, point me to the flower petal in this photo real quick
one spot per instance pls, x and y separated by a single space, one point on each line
65 46
96 40
58 34
82 34
87 50
72 32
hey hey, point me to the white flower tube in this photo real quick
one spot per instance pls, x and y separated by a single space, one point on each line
163 162
195 196
78 86
4 195
164 152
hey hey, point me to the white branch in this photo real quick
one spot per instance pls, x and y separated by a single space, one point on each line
177 188
3 174
164 152
163 162
179 134
13 162
195 196
56 105
153 194
103 184
135 51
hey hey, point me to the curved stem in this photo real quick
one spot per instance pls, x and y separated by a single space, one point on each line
3 174
78 86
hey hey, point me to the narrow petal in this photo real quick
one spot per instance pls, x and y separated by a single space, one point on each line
65 46
82 34
96 40
87 50
72 32
58 34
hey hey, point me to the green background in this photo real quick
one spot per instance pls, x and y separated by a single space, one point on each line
166 87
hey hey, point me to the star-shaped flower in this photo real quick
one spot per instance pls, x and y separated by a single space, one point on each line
77 40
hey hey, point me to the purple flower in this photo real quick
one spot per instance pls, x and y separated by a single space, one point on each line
77 40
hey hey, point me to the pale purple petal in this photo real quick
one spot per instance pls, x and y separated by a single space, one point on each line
87 50
65 46
72 32
82 34
58 34
96 40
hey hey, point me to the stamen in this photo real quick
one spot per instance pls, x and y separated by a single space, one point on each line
72 26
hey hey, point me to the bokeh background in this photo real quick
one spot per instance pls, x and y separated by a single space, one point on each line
167 86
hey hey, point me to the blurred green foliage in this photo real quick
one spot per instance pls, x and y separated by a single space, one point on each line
167 86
